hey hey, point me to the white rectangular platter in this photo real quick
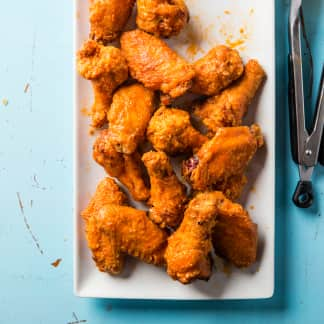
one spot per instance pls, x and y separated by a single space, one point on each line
247 25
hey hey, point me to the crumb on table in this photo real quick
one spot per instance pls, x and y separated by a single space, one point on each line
26 87
56 263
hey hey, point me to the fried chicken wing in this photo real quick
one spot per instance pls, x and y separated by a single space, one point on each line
168 194
229 107
107 259
227 154
108 18
170 131
126 168
107 192
163 18
235 236
107 69
232 187
130 231
130 112
216 70
156 65
188 254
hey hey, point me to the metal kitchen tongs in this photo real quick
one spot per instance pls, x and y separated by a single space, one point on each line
307 146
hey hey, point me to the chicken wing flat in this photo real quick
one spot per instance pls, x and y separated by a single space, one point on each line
216 70
188 254
130 231
107 259
227 154
108 18
170 131
168 194
163 18
156 65
125 167
229 107
130 112
107 192
235 236
107 69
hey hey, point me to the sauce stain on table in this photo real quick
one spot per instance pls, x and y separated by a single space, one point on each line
26 87
34 238
56 263
5 102
76 320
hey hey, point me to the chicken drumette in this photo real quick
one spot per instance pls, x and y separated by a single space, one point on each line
216 70
170 131
130 112
107 259
226 155
188 254
107 69
156 65
229 107
163 18
108 18
168 194
127 168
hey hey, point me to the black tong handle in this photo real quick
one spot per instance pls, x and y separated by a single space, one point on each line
303 196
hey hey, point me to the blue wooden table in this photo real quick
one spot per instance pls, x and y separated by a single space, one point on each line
36 189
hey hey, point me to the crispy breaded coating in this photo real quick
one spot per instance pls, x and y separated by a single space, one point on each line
216 70
235 236
227 154
168 194
108 18
188 254
230 106
156 65
233 187
130 231
170 131
130 112
107 69
107 192
125 167
163 18
107 259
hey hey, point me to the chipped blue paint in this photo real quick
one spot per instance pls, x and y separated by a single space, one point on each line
36 162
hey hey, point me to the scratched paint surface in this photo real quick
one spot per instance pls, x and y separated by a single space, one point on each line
36 189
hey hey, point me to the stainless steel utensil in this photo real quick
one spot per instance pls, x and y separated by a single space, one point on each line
307 147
